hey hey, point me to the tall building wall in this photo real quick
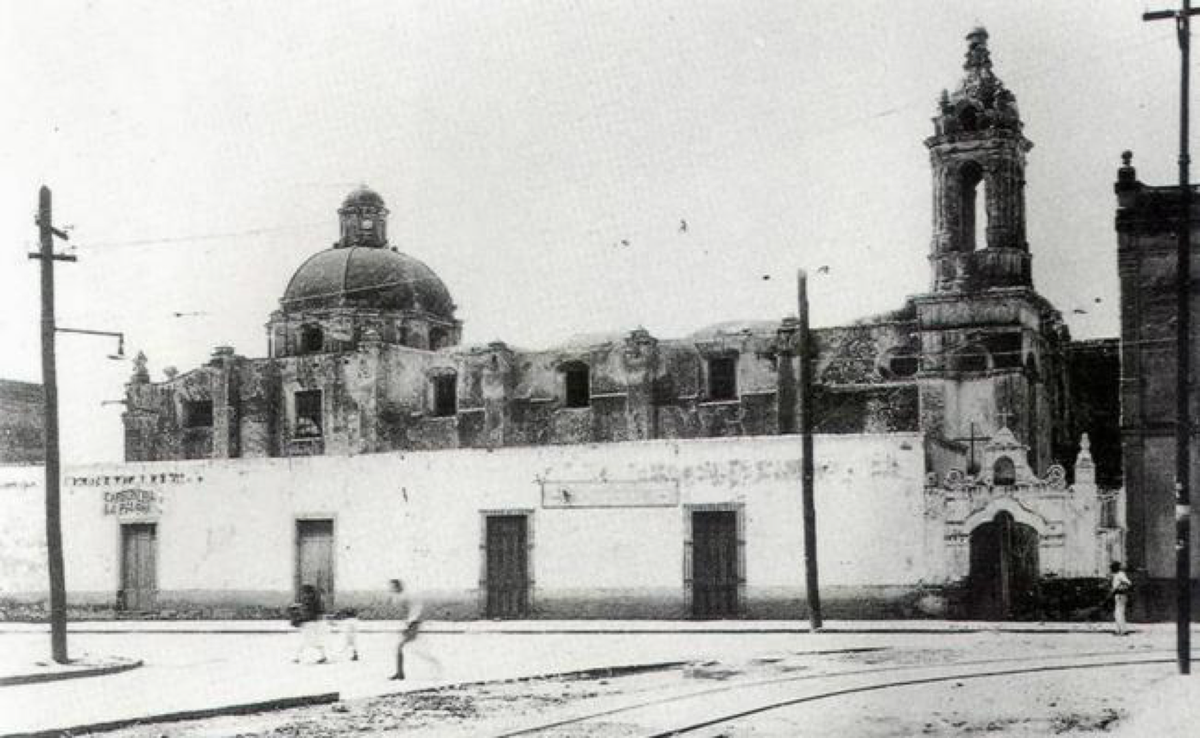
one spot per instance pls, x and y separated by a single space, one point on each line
1146 222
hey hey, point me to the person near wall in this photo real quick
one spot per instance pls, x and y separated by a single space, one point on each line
1121 587
411 606
346 623
310 618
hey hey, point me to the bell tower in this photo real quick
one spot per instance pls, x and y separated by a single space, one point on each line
978 157
993 351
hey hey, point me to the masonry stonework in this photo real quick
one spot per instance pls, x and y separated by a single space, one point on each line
1147 219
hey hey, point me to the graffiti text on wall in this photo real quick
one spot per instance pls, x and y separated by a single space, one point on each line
124 480
130 502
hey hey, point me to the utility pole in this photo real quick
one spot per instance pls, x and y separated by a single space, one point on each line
1183 507
54 548
804 359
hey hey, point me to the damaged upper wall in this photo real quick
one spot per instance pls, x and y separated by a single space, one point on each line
22 422
725 381
866 375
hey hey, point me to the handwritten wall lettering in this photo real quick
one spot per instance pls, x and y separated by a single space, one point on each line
124 480
131 502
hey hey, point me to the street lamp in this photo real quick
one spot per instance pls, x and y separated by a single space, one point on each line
118 356
58 587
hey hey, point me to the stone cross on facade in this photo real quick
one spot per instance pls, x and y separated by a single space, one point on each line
970 440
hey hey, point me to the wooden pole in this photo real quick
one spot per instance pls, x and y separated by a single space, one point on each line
1183 450
804 362
1183 268
54 545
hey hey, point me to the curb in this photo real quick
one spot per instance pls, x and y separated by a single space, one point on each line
443 630
174 717
20 679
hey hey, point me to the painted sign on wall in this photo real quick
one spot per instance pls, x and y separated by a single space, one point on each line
131 502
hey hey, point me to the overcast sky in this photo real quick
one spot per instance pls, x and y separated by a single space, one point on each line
200 151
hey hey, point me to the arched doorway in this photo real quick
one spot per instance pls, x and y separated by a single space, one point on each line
1002 584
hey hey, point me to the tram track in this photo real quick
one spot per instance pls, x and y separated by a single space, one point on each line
952 671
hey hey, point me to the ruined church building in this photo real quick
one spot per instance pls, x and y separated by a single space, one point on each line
365 353
966 451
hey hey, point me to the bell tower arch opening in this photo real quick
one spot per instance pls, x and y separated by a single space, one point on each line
972 207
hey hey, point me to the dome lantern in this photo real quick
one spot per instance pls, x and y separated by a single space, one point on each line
363 219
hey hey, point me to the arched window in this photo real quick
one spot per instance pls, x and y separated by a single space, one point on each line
1004 472
972 205
312 339
577 384
901 365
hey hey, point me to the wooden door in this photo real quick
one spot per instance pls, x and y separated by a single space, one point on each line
507 567
314 557
139 582
1003 579
714 564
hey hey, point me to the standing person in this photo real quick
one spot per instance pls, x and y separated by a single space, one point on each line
347 624
1120 594
412 622
311 618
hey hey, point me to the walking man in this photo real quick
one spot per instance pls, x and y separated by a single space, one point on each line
412 622
1120 593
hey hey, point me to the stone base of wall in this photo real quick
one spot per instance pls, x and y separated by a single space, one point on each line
1154 600
781 603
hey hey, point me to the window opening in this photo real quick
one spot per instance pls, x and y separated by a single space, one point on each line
722 378
445 395
1004 472
308 414
578 385
437 338
311 339
1006 350
973 358
197 414
973 205
903 365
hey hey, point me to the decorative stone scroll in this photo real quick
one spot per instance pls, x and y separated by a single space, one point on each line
1056 477
956 479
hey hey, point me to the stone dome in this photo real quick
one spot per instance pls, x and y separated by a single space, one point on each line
367 277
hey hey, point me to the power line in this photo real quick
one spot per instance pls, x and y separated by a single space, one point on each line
834 128
164 240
